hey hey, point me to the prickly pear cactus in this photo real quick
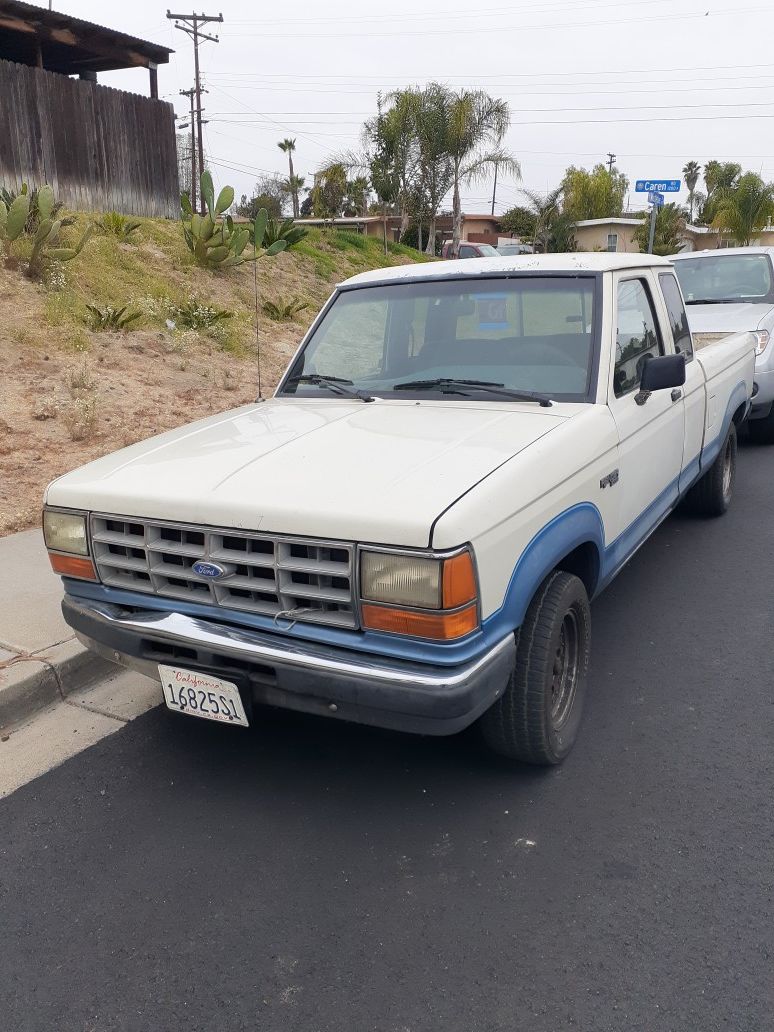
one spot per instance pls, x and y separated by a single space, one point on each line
218 243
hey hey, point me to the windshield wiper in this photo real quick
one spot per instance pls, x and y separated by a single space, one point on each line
719 301
337 384
455 386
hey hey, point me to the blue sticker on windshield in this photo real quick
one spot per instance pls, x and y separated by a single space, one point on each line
492 311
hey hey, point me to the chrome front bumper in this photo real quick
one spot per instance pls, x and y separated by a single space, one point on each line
299 675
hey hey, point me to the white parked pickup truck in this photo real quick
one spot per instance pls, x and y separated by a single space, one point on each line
729 290
408 533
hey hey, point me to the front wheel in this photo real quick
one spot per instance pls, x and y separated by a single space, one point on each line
537 717
711 496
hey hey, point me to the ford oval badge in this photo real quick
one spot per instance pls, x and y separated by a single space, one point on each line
206 569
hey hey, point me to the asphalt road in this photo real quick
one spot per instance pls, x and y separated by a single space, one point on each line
307 876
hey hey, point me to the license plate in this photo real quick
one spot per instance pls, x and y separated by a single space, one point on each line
202 695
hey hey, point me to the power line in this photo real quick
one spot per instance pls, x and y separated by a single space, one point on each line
501 29
190 24
508 75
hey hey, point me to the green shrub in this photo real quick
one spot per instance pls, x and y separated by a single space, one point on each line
110 318
287 230
195 314
284 309
115 224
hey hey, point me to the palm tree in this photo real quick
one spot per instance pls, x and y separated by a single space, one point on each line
544 209
691 173
474 129
745 209
435 165
295 187
288 146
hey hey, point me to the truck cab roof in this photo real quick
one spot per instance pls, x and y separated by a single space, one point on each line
597 261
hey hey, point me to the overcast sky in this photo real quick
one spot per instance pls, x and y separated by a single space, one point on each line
657 82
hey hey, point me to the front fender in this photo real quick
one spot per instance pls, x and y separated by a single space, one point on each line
579 525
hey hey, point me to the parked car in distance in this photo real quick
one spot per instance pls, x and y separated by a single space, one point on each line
465 249
510 250
459 457
729 290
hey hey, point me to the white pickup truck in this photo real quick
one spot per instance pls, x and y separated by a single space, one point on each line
408 534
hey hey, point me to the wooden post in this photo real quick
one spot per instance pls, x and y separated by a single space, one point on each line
154 79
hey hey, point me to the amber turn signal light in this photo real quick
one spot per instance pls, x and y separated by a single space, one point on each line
436 626
459 581
72 566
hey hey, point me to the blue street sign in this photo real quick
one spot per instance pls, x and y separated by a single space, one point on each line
655 198
657 185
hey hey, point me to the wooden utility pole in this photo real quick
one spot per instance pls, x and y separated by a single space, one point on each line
610 162
190 24
191 94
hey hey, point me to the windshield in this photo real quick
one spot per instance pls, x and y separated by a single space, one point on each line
487 251
510 249
731 277
525 333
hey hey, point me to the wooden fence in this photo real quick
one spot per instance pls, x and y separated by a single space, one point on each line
100 149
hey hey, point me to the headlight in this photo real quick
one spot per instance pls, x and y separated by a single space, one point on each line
65 532
394 586
402 580
762 341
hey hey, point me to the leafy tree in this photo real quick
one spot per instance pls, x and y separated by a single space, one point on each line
435 174
329 191
670 223
288 146
598 194
474 126
691 172
307 206
269 192
519 220
745 209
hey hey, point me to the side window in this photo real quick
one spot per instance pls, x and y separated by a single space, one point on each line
678 319
612 241
637 338
467 252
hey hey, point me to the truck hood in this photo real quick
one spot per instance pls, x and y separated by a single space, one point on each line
378 472
728 317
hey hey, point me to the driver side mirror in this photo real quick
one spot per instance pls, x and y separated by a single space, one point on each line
662 372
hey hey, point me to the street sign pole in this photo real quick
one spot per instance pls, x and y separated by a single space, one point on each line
652 234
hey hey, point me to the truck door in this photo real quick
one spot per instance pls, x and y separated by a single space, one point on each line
693 390
650 431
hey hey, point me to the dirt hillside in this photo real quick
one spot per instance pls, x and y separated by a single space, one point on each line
71 393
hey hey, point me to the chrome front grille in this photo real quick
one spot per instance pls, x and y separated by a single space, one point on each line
305 579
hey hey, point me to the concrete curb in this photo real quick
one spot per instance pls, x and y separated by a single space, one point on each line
32 682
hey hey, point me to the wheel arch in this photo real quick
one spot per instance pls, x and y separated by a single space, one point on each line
573 541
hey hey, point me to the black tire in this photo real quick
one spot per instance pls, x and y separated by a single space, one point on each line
762 430
712 495
536 720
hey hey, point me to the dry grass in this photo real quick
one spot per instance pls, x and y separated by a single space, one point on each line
71 394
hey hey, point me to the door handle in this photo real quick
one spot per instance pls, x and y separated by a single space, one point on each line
676 394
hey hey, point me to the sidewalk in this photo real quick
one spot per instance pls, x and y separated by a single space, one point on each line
41 661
